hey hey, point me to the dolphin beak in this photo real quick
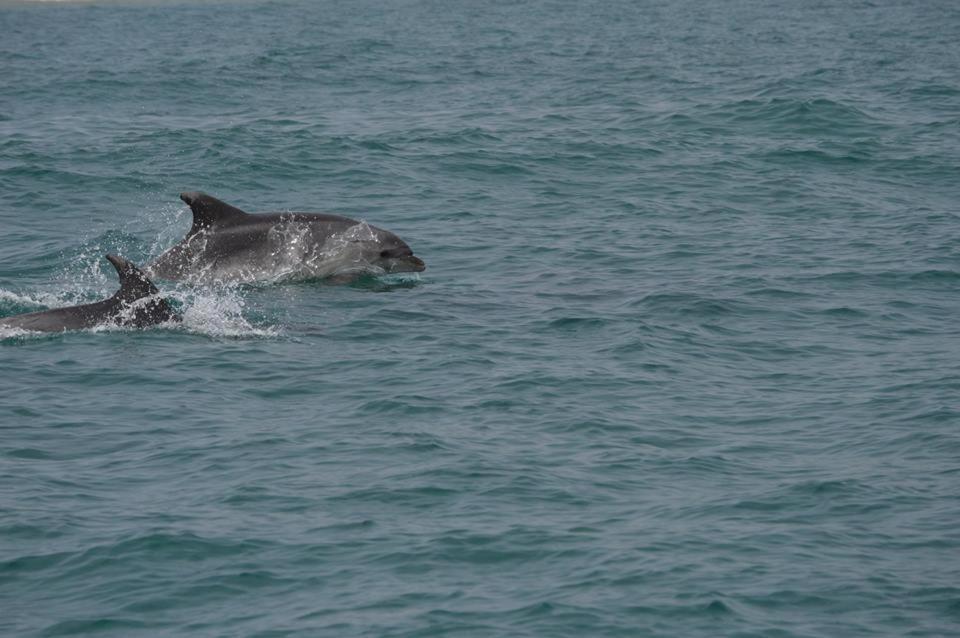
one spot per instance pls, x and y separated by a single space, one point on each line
417 263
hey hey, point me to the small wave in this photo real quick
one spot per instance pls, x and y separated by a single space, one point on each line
845 312
778 293
386 283
883 279
813 112
451 137
813 156
689 304
577 324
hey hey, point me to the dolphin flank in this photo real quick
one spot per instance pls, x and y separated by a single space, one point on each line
227 244
136 304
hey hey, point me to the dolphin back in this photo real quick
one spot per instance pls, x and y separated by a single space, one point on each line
136 304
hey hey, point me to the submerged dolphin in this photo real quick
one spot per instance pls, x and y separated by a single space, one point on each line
135 304
227 244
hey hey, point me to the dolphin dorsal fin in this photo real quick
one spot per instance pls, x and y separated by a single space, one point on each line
208 210
133 283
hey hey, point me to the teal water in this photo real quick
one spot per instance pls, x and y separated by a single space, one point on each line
684 362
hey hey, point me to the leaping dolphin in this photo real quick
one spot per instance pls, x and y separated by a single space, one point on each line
136 304
227 244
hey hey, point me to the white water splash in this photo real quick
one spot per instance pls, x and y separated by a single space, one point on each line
47 299
217 312
9 332
173 222
40 300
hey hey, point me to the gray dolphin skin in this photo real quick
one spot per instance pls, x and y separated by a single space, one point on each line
136 304
226 244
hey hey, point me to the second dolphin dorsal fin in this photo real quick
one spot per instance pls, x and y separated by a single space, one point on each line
133 283
209 211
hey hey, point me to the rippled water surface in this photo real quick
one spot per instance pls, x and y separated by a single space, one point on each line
684 360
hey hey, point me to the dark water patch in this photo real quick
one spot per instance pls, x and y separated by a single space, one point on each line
29 453
11 568
408 407
844 313
816 116
96 626
814 157
575 325
452 138
183 546
252 498
833 496
935 276
414 497
689 305
886 279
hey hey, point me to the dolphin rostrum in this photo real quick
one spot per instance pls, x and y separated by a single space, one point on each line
227 244
136 304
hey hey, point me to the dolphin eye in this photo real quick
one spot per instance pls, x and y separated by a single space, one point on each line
384 253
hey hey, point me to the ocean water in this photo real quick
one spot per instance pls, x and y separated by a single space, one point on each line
684 361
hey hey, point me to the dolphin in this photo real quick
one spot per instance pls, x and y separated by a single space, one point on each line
226 244
136 304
